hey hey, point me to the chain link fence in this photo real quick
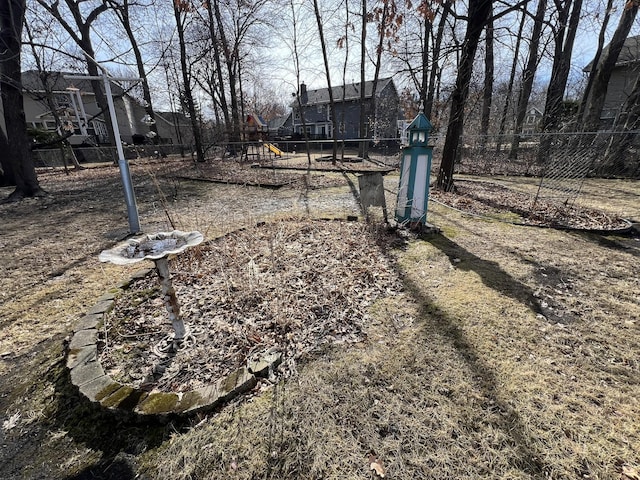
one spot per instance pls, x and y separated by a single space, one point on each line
57 157
561 161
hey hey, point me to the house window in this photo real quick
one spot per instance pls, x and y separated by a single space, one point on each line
328 113
297 114
320 108
62 100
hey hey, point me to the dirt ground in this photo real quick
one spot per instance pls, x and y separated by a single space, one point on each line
510 351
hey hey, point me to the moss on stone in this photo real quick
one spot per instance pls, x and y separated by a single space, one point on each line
108 390
190 401
116 398
157 403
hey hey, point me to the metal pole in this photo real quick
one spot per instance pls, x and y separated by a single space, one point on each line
75 109
83 127
125 174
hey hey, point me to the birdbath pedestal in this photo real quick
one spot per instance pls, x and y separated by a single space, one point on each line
157 248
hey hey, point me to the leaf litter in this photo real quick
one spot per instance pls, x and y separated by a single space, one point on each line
490 199
290 287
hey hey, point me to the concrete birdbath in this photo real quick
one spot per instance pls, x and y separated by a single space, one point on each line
157 248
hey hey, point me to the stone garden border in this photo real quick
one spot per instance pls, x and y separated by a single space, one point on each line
87 373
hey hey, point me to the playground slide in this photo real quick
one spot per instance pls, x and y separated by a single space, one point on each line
276 151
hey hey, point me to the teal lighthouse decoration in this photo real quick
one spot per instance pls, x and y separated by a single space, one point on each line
415 170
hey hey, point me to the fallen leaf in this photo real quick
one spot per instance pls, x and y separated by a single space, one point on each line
376 466
11 422
630 473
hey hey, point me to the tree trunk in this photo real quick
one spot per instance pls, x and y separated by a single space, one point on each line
218 66
559 75
82 38
51 104
347 24
596 60
382 34
628 121
363 105
142 72
19 164
528 75
332 103
6 172
296 64
435 73
187 85
487 92
425 78
512 77
230 56
604 69
479 11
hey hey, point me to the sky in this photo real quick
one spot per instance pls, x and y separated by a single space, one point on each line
270 64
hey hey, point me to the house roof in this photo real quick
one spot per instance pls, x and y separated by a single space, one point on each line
278 122
32 82
173 118
255 119
351 92
629 54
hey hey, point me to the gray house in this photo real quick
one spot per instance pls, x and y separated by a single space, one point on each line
381 123
532 121
623 78
76 106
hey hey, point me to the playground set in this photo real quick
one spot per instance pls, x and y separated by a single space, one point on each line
255 134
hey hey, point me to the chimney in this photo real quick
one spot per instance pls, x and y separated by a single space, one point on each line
304 98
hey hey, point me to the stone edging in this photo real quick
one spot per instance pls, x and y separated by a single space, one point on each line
88 375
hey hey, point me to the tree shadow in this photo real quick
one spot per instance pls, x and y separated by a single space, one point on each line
624 244
119 468
120 436
491 274
527 458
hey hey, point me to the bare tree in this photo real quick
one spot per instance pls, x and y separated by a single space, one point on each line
230 54
181 8
598 90
477 17
48 99
122 9
511 81
620 149
528 75
296 66
363 78
343 42
327 70
564 39
79 29
487 91
16 159
387 22
216 78
596 58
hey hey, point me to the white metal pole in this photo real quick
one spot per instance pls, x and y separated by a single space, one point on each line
85 124
125 174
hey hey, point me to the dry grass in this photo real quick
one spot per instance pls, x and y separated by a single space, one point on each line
512 353
480 385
